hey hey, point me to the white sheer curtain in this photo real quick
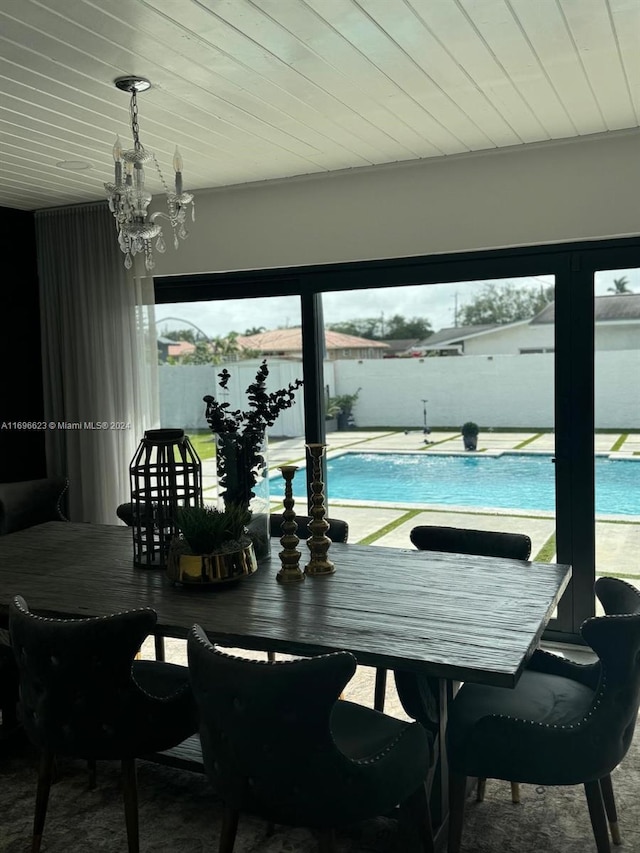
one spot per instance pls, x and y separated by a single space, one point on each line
99 358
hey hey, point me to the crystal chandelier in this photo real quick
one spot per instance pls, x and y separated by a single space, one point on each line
128 198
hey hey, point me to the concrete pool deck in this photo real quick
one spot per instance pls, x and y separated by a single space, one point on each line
617 539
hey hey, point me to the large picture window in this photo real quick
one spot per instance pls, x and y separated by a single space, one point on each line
397 355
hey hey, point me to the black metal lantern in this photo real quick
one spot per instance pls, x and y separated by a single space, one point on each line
166 473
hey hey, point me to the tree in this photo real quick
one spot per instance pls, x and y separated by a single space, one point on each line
214 351
377 329
202 354
399 328
180 335
620 285
504 304
368 327
254 330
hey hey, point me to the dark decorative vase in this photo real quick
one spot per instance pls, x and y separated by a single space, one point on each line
243 479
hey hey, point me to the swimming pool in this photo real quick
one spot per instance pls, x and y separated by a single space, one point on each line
506 481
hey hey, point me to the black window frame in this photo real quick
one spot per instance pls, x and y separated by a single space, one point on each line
573 266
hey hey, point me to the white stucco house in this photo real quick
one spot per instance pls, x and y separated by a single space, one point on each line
617 327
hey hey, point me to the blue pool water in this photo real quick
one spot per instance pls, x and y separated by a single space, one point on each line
509 481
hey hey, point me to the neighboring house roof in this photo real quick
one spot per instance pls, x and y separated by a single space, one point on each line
453 335
290 340
618 306
400 345
621 306
176 349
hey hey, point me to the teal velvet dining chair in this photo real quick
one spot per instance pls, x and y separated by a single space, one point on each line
23 504
338 530
418 694
278 743
83 695
563 724
29 502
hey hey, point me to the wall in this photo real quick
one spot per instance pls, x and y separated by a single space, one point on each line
511 339
494 391
614 336
526 195
21 450
182 388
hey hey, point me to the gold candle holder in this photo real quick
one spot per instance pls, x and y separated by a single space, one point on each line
318 542
289 556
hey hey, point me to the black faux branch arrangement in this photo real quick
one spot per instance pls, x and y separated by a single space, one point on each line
241 434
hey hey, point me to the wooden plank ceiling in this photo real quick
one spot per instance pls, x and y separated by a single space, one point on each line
253 90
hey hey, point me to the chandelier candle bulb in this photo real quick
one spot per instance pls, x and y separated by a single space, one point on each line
177 166
117 156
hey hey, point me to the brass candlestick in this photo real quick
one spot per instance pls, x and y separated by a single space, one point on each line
289 556
319 542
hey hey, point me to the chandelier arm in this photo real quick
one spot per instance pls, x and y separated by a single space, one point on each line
160 215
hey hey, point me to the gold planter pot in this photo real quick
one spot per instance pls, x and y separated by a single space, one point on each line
210 569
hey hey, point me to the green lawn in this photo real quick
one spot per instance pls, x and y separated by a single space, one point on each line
203 444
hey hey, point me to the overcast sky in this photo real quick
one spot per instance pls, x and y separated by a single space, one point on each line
436 303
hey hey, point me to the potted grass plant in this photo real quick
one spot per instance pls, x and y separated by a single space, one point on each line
341 408
470 432
213 546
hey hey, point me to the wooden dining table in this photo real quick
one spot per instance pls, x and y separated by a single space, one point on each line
452 616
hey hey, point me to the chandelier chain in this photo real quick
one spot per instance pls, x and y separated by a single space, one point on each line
160 175
135 127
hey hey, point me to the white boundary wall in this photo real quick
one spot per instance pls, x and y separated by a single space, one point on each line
494 391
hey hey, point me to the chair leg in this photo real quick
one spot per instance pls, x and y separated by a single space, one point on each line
228 830
598 816
457 796
45 777
380 689
515 792
271 656
130 796
610 807
415 822
158 640
10 714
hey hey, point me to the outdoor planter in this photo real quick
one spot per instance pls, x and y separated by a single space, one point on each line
470 432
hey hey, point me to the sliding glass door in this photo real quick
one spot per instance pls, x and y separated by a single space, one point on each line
617 423
406 368
386 349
